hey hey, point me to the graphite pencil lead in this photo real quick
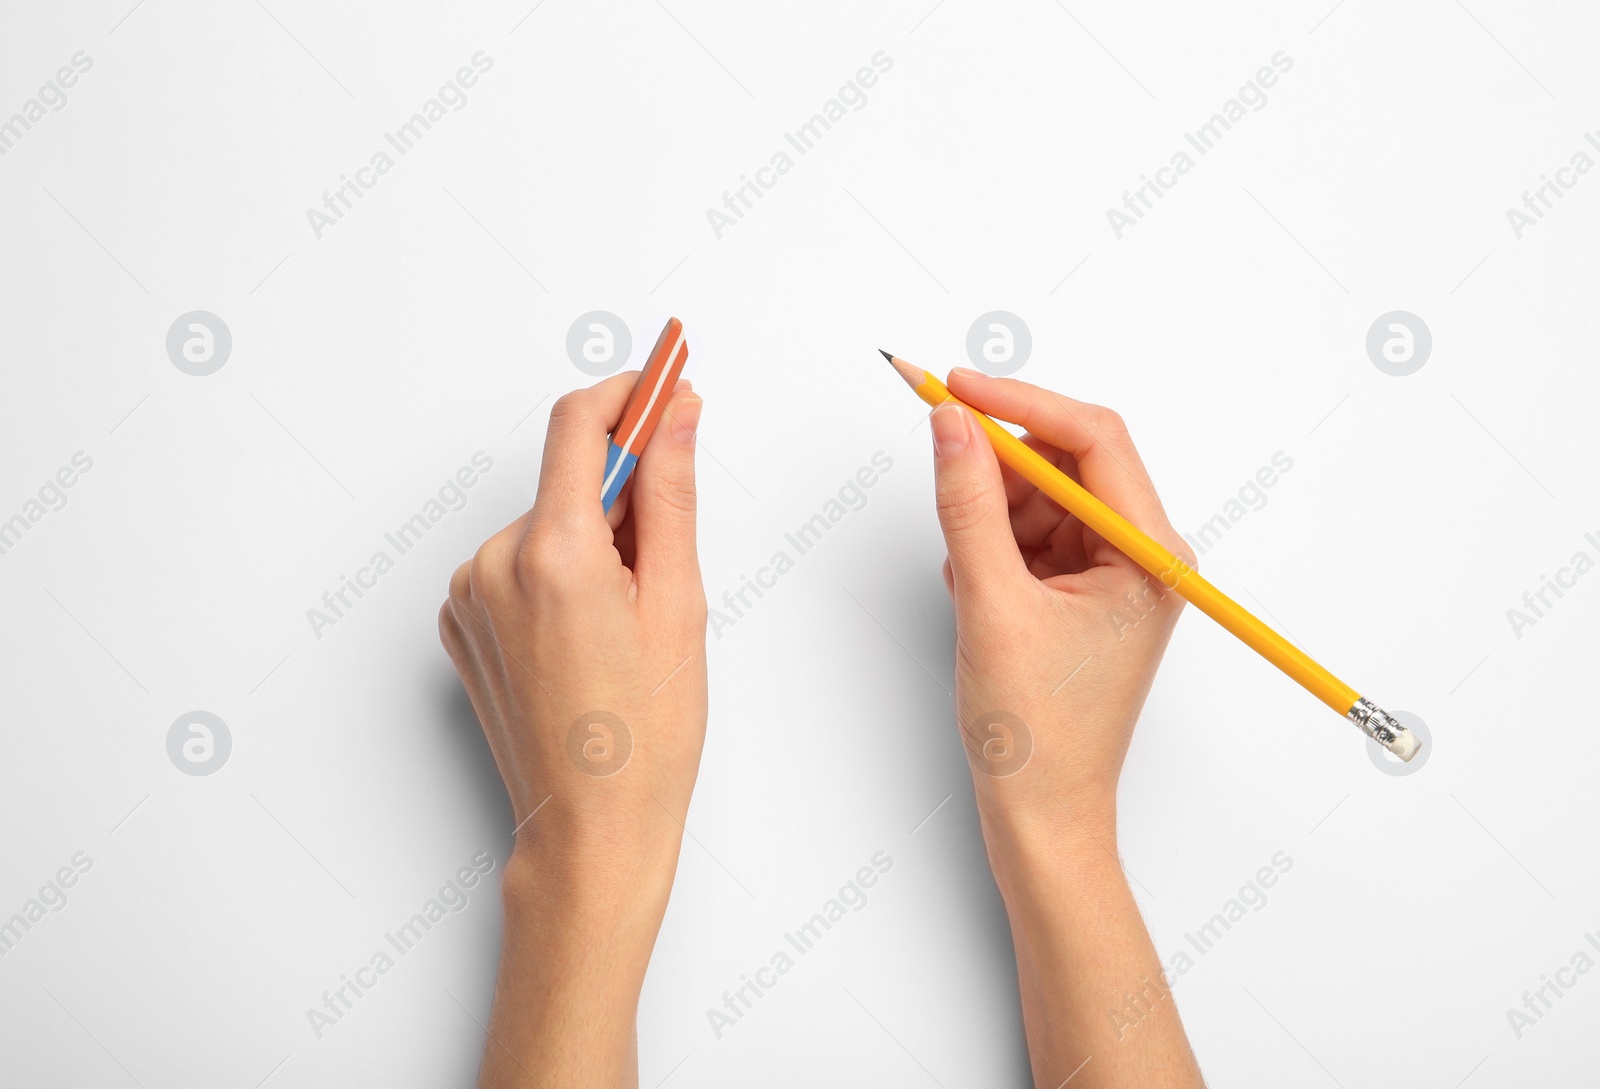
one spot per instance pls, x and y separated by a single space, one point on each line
886 355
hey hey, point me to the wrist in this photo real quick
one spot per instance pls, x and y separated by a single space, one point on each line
593 850
585 944
567 883
1046 846
572 965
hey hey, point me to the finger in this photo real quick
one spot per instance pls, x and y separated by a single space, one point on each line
1034 515
619 509
1019 487
461 582
972 505
1036 519
451 636
575 453
667 563
1109 466
458 640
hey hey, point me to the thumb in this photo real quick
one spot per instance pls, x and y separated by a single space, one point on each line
663 504
972 504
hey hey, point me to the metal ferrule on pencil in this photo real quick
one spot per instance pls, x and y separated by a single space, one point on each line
1377 723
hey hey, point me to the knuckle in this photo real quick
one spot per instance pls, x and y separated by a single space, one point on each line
488 574
983 645
449 630
574 406
461 582
545 556
676 492
1109 423
961 507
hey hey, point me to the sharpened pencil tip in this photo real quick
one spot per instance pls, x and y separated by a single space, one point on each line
914 376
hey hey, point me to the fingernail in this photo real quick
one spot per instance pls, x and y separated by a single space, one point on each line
950 430
685 415
966 372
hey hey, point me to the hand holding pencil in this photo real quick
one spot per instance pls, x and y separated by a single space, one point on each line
1054 626
1058 638
1174 572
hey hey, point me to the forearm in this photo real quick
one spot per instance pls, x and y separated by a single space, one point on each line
572 962
1095 1007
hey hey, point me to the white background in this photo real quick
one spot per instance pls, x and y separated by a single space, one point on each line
370 364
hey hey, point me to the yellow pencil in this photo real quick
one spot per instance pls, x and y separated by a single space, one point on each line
1376 723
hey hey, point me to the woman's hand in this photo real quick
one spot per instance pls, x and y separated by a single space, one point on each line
1058 636
581 642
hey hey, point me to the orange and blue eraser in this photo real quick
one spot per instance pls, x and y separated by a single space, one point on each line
644 408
